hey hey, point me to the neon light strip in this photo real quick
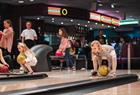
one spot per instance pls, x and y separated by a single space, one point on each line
128 22
54 11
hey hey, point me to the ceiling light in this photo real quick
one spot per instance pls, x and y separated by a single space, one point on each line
71 20
102 24
52 18
62 23
108 26
112 6
38 18
88 21
90 28
100 5
21 1
96 23
31 0
78 24
114 27
117 11
85 25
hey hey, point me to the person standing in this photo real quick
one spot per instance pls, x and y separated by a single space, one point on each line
28 36
6 42
65 47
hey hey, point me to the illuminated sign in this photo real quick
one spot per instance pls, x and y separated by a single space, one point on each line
54 11
64 11
115 22
57 11
95 16
106 19
129 22
102 18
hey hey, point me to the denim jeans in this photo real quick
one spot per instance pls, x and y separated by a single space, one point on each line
68 58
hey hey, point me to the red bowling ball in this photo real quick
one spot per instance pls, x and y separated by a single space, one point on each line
4 69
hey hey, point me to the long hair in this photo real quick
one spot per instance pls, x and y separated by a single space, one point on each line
95 42
64 33
9 22
25 47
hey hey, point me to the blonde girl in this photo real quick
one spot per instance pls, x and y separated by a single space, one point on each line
30 59
100 52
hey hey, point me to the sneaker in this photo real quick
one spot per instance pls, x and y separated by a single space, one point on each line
74 68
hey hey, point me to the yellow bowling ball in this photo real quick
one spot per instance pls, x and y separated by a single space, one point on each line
20 58
103 70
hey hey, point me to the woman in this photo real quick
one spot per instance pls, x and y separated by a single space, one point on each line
100 52
65 47
6 41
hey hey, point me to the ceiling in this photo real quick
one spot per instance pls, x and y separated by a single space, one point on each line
122 8
68 21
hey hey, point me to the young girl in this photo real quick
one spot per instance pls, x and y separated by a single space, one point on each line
103 51
65 48
30 59
4 66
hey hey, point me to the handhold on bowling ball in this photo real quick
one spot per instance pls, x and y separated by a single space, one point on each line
4 69
103 70
21 58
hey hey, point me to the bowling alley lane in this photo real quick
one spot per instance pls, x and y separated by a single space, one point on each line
127 89
54 77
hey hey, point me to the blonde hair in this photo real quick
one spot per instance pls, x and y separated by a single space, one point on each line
97 43
25 47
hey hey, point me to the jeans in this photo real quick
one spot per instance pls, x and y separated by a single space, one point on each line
68 58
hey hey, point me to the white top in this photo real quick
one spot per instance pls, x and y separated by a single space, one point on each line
29 34
30 58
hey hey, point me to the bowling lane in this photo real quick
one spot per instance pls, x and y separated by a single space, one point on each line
127 89
55 77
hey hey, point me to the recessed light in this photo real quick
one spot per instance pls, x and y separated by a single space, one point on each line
21 1
62 23
78 24
88 21
38 18
31 0
117 11
71 20
100 5
112 6
52 18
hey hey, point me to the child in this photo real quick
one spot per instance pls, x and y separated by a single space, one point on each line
98 52
4 66
30 59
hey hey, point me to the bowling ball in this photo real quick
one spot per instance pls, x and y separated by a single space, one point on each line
20 58
58 53
4 69
103 70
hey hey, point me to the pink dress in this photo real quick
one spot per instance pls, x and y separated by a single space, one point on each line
7 39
